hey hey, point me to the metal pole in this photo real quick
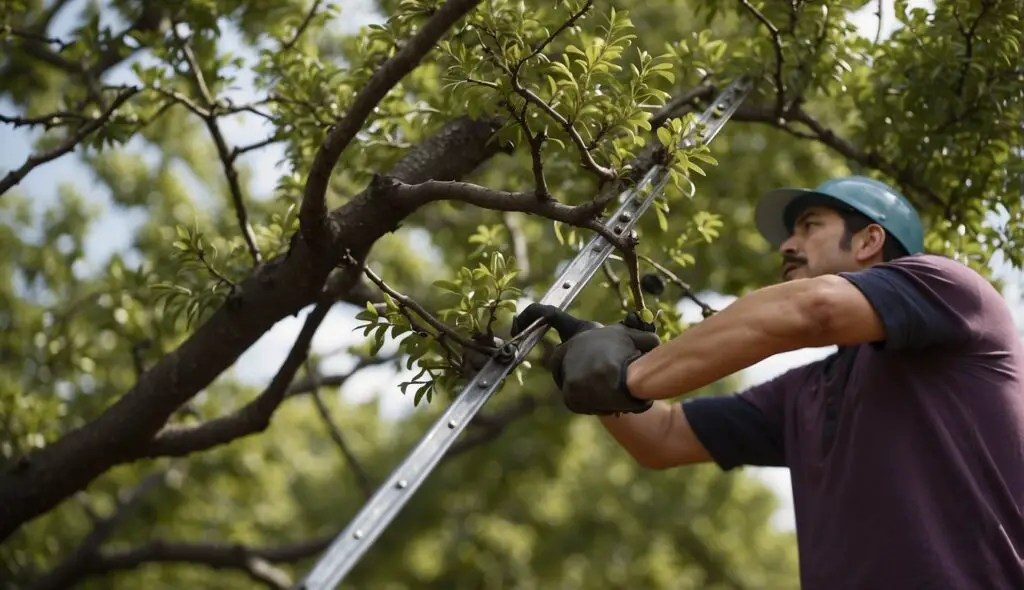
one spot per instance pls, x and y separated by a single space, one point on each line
350 545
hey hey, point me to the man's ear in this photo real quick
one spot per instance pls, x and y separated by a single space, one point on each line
870 243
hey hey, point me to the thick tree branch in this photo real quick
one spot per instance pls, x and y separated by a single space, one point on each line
15 176
313 210
276 289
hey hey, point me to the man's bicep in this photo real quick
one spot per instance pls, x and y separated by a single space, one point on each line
735 431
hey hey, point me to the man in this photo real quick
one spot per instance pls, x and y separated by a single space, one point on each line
905 447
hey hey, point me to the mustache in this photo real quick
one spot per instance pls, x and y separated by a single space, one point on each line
790 258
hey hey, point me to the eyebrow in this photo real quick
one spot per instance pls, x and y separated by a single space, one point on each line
804 216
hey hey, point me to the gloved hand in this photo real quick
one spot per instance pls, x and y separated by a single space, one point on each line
589 366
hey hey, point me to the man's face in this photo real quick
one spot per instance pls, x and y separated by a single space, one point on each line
815 248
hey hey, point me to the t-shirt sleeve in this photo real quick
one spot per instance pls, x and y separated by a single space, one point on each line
745 428
923 301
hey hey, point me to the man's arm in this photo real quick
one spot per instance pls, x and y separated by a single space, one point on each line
806 313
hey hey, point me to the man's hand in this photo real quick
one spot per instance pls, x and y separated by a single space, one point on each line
589 366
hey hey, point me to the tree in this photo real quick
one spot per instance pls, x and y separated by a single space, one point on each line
435 169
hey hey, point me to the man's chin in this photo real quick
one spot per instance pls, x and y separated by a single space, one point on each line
793 274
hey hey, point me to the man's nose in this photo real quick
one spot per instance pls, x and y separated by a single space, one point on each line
788 246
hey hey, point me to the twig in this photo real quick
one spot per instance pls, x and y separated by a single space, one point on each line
313 210
878 31
353 462
536 141
565 25
49 121
567 126
15 176
705 309
36 37
227 157
441 327
780 97
302 26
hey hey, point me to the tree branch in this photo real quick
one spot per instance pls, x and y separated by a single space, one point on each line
780 96
827 137
227 156
313 210
255 416
15 176
39 480
302 26
441 327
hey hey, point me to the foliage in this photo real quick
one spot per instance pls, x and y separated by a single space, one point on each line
420 177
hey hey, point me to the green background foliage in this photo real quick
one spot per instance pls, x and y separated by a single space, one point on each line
231 102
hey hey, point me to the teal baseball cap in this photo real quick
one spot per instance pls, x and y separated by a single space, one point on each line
777 210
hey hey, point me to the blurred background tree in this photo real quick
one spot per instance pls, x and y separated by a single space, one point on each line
202 173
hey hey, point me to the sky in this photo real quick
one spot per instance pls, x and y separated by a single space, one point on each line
261 361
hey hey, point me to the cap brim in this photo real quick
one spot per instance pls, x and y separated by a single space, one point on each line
768 214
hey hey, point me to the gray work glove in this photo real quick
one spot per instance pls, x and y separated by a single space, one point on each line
589 366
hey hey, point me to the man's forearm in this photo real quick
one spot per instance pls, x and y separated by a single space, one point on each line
658 438
768 321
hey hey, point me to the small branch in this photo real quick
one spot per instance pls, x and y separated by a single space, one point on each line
227 157
706 310
586 156
536 141
878 31
253 417
353 462
313 210
302 26
780 97
561 29
48 121
239 151
441 327
69 144
827 137
34 37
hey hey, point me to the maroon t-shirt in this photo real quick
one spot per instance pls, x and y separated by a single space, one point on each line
906 456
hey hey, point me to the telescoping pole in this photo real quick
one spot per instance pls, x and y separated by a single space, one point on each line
350 545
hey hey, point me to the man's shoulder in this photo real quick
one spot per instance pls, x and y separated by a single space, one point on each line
933 264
